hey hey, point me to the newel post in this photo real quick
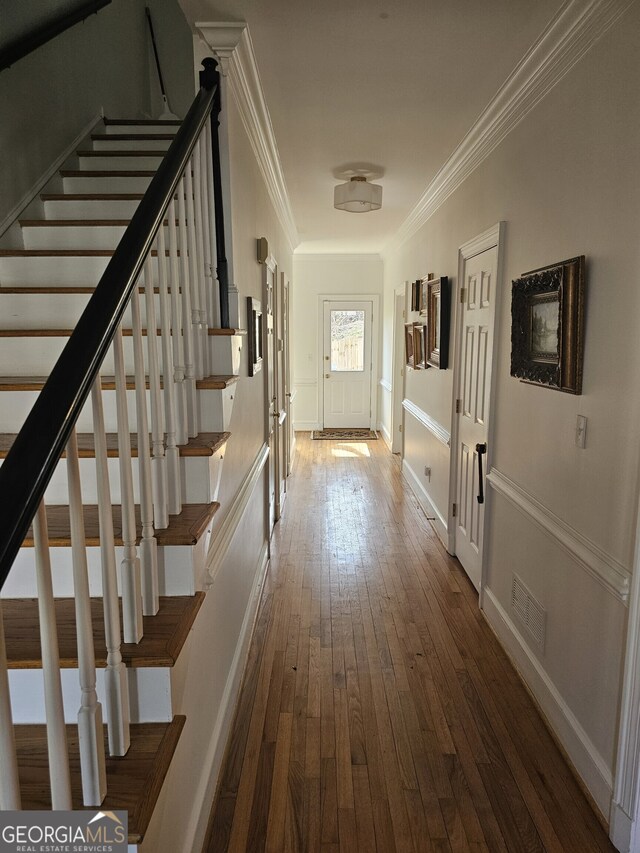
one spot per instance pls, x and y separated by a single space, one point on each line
210 76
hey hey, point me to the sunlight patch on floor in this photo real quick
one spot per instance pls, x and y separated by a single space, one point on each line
355 448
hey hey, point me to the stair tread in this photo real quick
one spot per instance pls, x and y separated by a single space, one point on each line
143 122
62 253
164 634
73 223
106 173
204 444
127 333
91 196
61 289
36 383
134 781
100 137
122 152
183 529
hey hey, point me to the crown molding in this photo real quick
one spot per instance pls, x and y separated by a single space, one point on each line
577 26
232 46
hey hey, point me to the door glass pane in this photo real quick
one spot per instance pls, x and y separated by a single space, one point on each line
347 340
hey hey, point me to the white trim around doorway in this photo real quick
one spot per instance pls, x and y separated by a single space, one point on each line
492 237
374 298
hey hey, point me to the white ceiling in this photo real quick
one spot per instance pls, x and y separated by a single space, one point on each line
394 84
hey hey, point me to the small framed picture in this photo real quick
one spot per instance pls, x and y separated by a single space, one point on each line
547 326
408 344
418 347
438 320
254 328
416 295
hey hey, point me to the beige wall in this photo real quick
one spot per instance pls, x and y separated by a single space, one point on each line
566 182
315 276
103 64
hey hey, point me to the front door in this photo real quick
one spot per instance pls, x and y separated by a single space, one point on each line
347 364
473 393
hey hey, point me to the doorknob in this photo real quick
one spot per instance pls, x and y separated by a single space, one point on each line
481 449
327 375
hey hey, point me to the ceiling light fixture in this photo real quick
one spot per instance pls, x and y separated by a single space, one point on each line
357 195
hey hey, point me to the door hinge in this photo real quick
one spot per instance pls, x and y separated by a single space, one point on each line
454 511
458 406
400 428
463 294
404 315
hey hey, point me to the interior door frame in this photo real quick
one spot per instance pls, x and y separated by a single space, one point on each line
374 298
270 268
489 239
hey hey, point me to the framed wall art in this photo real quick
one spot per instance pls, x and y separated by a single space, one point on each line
408 344
424 296
254 327
547 326
418 347
415 295
438 299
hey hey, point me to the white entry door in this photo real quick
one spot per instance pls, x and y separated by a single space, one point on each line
347 364
473 393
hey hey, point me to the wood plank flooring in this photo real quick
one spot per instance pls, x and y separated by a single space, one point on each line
378 711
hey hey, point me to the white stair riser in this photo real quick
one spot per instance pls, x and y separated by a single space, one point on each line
36 356
180 568
214 406
226 353
54 270
199 477
52 311
149 694
107 184
131 144
90 208
73 236
120 129
117 164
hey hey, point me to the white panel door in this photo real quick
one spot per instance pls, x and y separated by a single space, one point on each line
474 386
347 364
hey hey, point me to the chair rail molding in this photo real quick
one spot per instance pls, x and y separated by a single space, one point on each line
576 27
606 569
232 46
440 432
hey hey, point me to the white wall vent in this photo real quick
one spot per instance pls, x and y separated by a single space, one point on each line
529 611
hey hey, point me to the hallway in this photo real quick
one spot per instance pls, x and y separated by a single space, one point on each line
378 712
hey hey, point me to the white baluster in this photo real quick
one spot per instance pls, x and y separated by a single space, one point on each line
9 783
208 224
172 453
200 261
158 460
194 278
187 325
54 708
90 734
115 674
130 569
148 544
215 295
182 432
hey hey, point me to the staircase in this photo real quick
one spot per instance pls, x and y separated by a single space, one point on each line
147 452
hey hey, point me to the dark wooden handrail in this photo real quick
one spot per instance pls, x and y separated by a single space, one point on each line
24 45
30 463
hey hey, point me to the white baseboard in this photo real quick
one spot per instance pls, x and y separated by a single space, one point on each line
384 432
197 826
586 759
306 426
424 499
620 829
44 179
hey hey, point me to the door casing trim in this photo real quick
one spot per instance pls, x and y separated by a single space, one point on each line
489 239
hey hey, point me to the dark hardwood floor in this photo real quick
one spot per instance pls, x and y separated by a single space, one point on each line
378 711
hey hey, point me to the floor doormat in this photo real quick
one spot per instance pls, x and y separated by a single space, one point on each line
343 434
